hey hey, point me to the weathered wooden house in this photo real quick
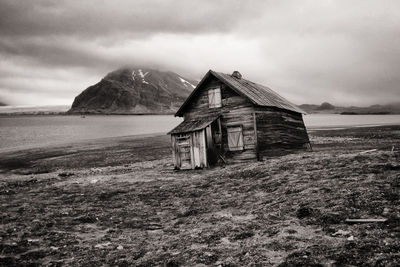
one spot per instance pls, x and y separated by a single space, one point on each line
230 119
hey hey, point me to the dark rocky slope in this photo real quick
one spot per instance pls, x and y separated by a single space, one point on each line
134 91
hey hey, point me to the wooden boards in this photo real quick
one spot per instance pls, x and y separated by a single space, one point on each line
189 150
263 130
279 130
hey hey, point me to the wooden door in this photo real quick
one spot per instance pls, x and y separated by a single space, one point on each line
183 143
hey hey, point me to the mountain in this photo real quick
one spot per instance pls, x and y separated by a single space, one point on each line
325 107
2 104
135 91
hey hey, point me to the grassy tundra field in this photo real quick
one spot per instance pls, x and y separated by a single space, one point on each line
119 202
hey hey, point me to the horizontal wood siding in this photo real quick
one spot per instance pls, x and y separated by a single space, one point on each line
279 131
235 111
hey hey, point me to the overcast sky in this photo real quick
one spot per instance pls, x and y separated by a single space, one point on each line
344 52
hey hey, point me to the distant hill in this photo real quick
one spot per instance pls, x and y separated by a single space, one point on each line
135 91
2 104
374 109
33 110
326 106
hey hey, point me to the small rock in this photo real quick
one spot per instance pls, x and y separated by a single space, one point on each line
341 232
350 238
385 211
120 247
102 245
94 181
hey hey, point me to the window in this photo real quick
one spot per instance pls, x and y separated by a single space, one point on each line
235 138
214 98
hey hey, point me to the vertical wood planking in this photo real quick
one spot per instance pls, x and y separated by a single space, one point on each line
174 156
196 149
191 150
255 135
204 146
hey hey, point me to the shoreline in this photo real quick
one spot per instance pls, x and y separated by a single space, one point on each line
67 113
100 140
113 139
143 141
343 127
78 114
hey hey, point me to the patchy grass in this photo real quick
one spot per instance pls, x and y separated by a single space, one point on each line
121 203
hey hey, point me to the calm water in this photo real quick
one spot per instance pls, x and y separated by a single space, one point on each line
315 121
35 131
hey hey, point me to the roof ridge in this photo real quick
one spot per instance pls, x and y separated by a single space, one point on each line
258 94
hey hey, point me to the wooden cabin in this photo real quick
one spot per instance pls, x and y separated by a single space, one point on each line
230 119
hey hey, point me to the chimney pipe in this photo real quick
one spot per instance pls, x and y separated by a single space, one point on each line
236 75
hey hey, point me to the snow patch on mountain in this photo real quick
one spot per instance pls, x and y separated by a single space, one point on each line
143 75
186 83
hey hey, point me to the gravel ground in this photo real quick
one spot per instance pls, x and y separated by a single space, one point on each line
118 201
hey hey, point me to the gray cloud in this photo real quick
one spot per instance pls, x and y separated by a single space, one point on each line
345 52
93 18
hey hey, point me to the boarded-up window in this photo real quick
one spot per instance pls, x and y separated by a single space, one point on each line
235 138
214 98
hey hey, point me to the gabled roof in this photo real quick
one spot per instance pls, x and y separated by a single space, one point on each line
258 94
193 124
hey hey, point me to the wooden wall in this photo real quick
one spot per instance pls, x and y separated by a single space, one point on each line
267 131
236 110
279 131
197 147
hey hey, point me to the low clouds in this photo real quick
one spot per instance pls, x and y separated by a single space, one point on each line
344 52
93 18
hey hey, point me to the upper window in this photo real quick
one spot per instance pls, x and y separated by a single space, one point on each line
214 98
235 138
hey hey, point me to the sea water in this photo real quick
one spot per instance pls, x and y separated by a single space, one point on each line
18 132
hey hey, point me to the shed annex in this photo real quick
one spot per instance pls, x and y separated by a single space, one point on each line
230 119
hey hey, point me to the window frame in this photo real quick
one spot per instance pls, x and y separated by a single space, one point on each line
214 97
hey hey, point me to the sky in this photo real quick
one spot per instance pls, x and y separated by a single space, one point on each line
344 52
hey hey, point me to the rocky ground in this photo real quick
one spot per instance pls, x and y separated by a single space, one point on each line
119 202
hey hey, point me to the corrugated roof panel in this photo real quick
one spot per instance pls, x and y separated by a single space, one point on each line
259 94
193 124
